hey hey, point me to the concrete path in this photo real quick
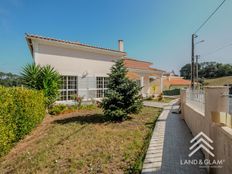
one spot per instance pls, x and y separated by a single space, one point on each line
159 104
169 146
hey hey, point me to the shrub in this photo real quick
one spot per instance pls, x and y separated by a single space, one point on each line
172 92
122 97
160 97
57 109
20 111
61 108
78 99
42 78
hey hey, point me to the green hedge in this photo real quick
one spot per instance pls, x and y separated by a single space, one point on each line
172 92
20 111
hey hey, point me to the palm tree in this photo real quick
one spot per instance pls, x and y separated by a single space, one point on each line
30 76
44 78
50 79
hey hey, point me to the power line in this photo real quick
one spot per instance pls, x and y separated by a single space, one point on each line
218 49
210 16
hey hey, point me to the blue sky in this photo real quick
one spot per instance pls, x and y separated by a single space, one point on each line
154 30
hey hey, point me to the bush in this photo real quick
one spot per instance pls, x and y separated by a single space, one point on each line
172 92
61 108
20 111
78 100
57 109
160 97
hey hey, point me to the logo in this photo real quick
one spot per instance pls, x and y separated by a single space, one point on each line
201 143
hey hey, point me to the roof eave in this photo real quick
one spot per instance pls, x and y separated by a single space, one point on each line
29 39
29 44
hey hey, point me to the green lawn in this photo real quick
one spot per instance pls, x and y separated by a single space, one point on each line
84 142
218 81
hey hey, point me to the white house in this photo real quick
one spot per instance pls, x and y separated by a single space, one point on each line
84 68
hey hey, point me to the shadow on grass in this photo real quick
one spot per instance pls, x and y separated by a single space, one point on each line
89 119
83 119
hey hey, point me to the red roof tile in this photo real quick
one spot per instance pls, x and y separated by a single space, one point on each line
132 63
179 81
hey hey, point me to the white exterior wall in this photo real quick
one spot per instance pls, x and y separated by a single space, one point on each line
72 61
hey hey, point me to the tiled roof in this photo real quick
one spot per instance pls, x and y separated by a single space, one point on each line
179 81
155 69
132 63
133 76
29 36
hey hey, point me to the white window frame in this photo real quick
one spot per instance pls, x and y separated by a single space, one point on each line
67 90
104 88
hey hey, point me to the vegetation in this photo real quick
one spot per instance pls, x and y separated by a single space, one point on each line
78 99
122 97
57 109
208 70
61 109
86 142
20 111
10 80
218 81
42 78
172 92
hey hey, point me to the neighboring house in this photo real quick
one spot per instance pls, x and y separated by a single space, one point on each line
142 72
172 81
84 68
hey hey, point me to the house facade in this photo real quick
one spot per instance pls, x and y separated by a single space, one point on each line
84 68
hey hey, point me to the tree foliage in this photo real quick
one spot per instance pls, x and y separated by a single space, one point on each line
10 80
123 95
42 78
208 70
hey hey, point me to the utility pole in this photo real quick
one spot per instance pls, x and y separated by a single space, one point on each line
197 58
192 63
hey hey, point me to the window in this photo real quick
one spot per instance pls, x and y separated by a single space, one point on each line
102 86
68 87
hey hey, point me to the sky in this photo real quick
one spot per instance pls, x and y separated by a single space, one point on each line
158 31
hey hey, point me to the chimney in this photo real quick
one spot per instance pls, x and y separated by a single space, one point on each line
120 45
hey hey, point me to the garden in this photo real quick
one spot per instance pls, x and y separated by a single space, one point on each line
107 137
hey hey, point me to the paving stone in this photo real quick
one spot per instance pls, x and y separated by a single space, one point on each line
169 145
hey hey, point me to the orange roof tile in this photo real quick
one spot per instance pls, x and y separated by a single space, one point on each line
132 63
179 81
133 76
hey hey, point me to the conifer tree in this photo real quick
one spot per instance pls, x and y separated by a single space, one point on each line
123 95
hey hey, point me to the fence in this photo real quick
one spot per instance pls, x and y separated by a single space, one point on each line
196 99
214 122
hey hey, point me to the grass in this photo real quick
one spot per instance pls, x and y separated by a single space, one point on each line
85 142
164 100
221 81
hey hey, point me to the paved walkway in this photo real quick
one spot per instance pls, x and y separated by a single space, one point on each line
169 145
159 104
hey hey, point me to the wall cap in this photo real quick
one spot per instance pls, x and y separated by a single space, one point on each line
216 87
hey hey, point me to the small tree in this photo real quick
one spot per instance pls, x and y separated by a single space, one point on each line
122 97
42 78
